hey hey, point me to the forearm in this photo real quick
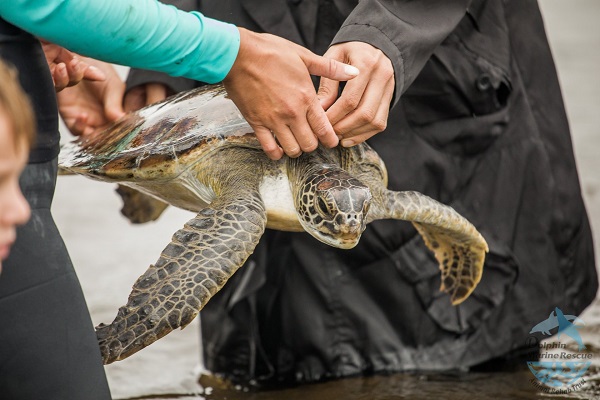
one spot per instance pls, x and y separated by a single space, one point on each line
406 31
138 33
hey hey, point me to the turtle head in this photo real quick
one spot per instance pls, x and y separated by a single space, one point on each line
332 206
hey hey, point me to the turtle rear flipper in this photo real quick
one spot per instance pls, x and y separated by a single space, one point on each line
458 247
461 260
191 269
138 207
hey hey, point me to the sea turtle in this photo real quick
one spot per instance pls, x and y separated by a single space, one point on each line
196 151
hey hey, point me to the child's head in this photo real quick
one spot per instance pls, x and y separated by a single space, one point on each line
17 130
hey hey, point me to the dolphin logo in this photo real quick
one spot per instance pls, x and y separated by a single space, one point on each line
552 322
566 327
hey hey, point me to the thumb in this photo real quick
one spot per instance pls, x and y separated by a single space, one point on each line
329 68
93 73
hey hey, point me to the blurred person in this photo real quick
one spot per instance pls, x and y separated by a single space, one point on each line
16 137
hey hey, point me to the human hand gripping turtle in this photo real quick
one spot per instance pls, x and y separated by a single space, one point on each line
196 151
295 121
362 109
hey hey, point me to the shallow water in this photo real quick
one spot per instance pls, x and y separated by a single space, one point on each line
110 254
480 386
518 383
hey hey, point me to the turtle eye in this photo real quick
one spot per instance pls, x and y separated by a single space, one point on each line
322 206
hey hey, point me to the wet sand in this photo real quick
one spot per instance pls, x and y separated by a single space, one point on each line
109 254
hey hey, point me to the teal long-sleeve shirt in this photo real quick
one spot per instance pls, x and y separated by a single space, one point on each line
138 33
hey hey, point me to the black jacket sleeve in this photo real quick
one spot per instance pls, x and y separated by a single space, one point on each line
406 31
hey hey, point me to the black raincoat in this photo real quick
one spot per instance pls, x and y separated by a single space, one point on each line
478 123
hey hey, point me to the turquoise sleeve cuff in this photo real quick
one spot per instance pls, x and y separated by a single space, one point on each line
218 49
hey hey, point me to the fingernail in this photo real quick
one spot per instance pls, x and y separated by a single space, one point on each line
350 70
347 143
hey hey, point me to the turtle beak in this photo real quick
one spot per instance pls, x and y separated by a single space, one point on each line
341 240
348 241
350 225
349 231
350 234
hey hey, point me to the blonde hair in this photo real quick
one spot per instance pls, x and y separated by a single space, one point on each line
15 104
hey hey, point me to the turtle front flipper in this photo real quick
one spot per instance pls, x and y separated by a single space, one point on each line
191 269
458 247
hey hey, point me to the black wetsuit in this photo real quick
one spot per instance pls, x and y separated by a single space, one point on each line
48 348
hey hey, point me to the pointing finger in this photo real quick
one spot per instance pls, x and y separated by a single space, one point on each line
329 68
